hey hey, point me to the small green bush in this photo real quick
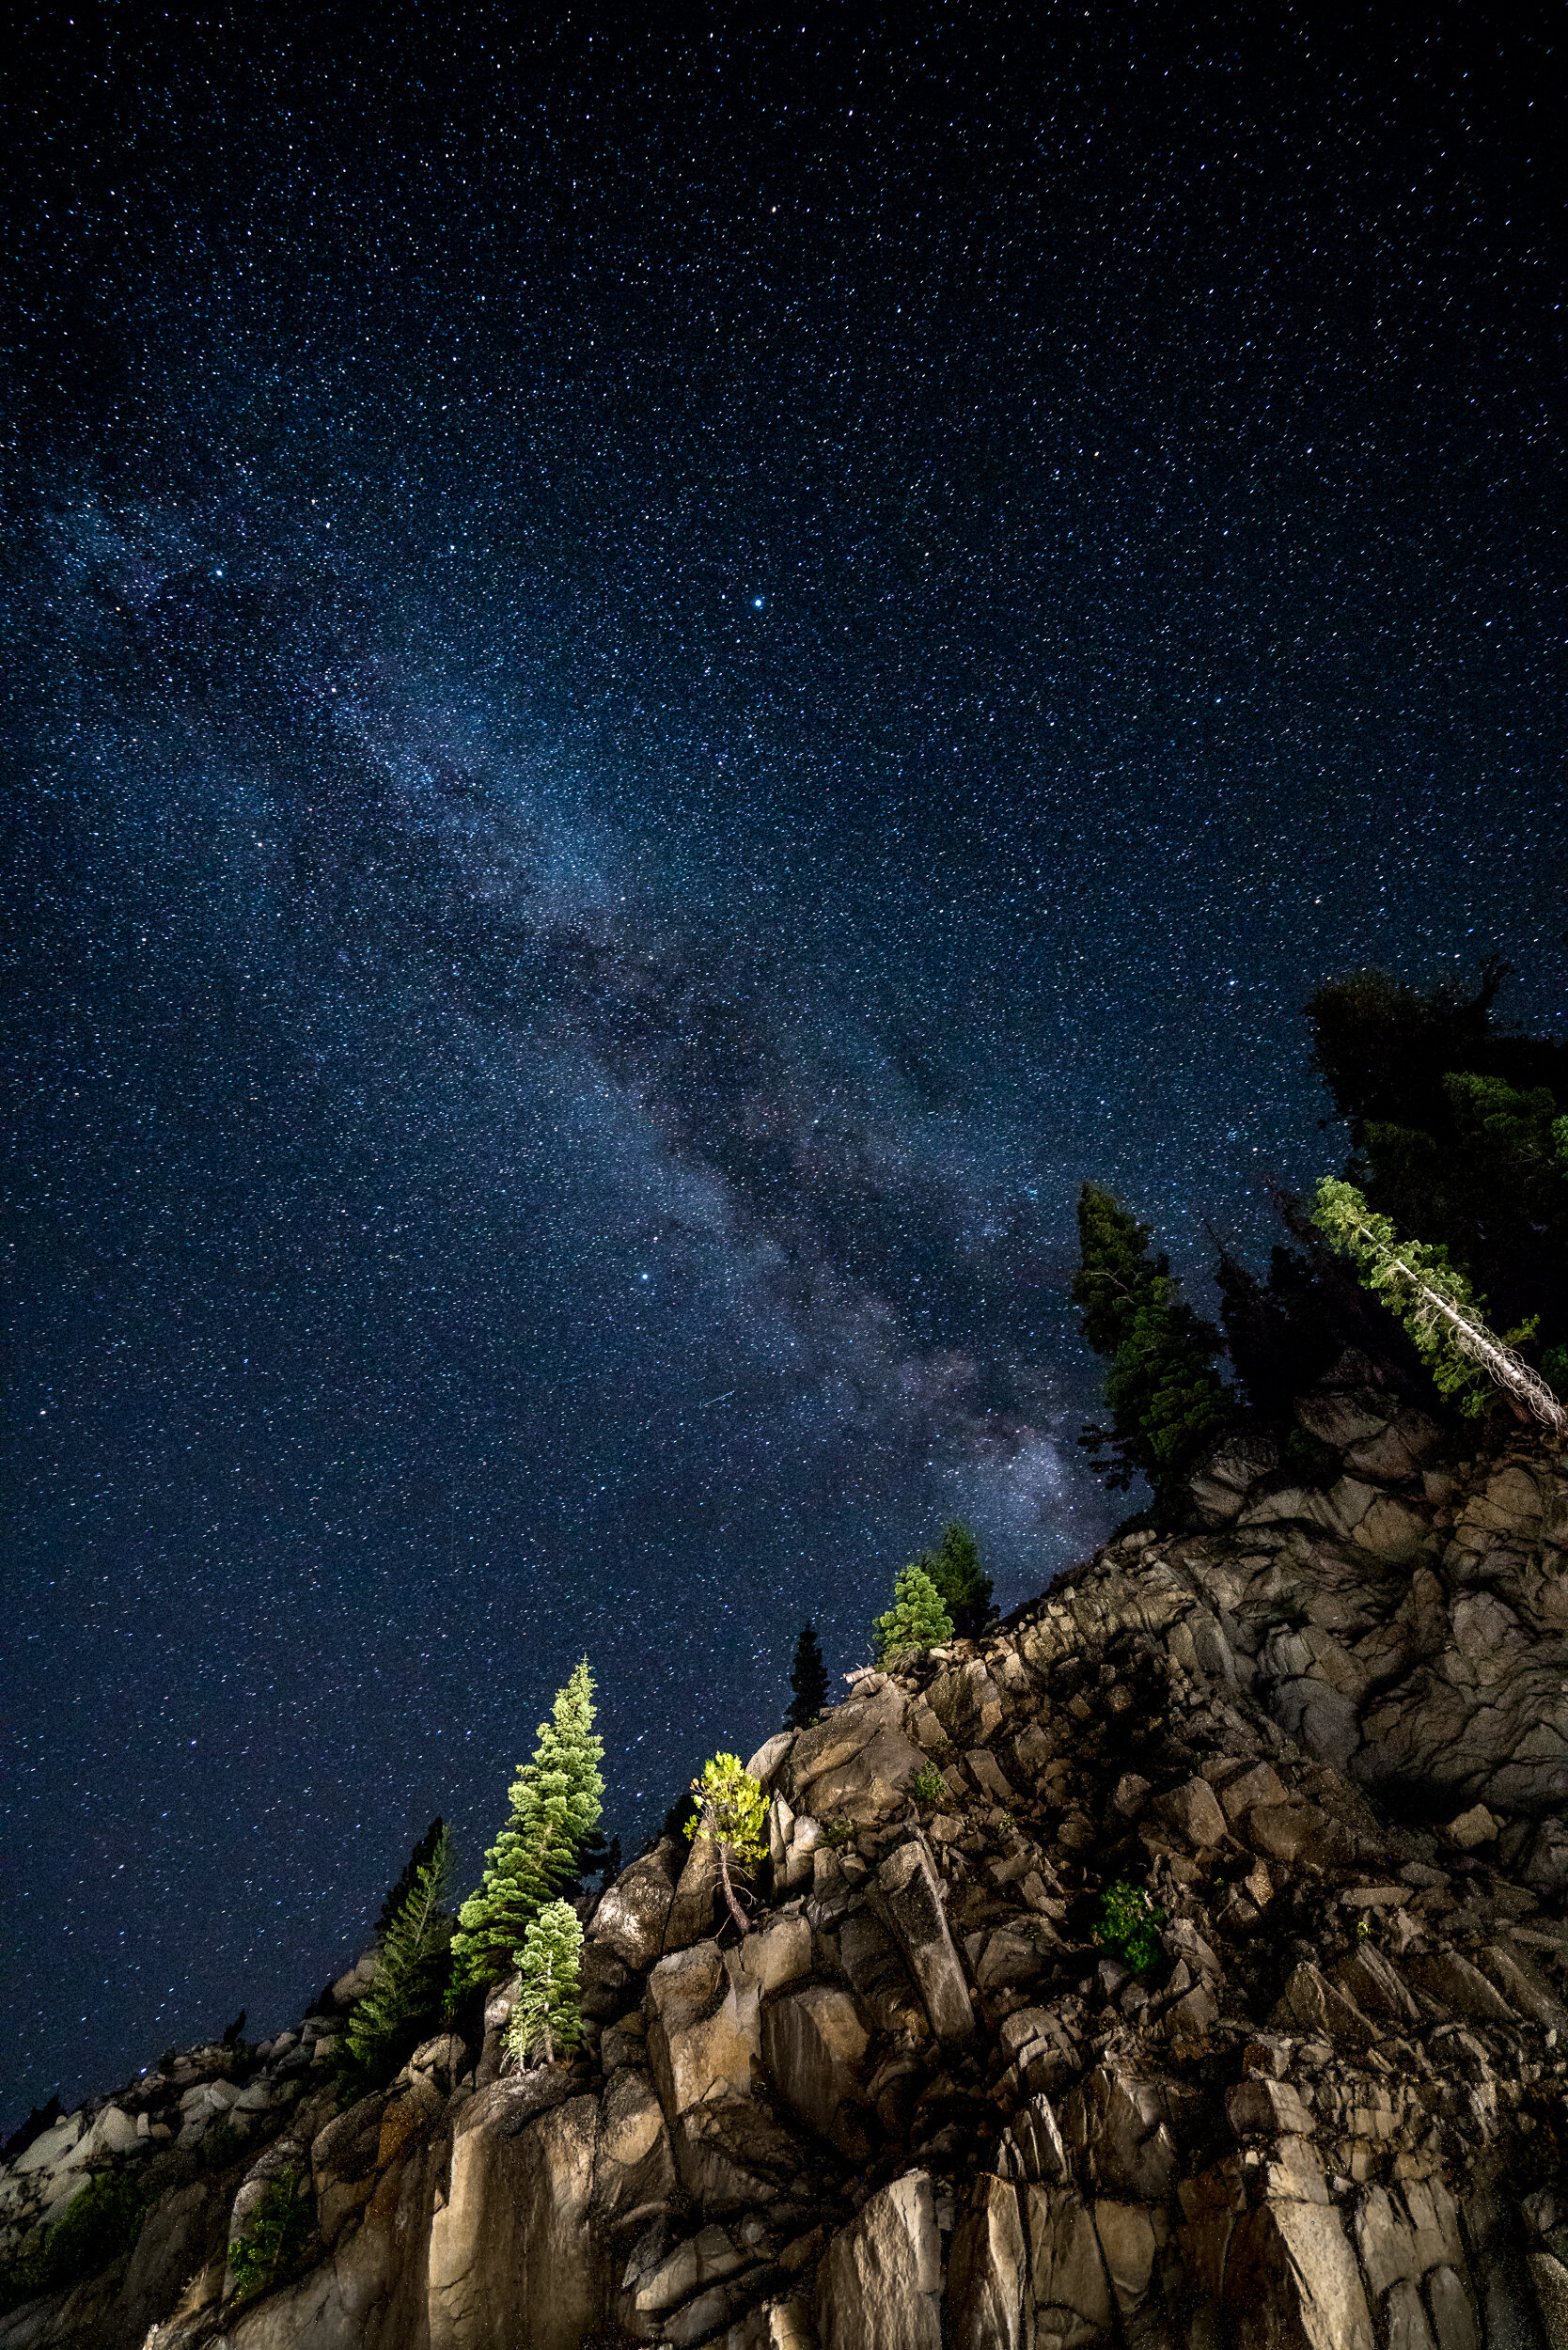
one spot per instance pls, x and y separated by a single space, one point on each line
279 2233
223 2144
837 1833
1129 1926
103 2222
929 1786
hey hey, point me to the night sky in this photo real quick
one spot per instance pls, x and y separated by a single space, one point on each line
662 681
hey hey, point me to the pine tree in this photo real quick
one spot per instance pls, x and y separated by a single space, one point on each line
408 1978
731 1811
961 1583
1167 1403
546 2021
423 1852
809 1680
1438 1308
916 1620
556 1801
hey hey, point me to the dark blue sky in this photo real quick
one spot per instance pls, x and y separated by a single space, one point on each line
665 681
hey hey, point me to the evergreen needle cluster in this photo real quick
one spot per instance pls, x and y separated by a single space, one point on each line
917 1620
556 1801
406 1984
1468 1361
546 2021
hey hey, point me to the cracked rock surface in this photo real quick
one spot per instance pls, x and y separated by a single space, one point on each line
920 2106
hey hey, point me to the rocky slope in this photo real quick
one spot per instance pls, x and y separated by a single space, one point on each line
919 2105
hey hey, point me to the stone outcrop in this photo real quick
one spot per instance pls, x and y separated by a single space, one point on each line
922 2105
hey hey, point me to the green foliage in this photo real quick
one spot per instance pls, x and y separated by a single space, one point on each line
1454 1123
1129 1926
1168 1405
837 1833
408 1980
556 1801
546 2021
928 1786
731 1808
224 2143
280 2231
915 1622
962 1583
423 1852
103 2222
1467 1362
731 1811
809 1680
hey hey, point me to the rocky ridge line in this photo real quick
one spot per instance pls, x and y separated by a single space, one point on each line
918 2106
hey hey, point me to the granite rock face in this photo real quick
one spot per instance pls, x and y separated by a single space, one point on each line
922 2107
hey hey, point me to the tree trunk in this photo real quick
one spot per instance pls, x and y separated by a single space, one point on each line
735 1910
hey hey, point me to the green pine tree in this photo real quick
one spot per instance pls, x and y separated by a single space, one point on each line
916 1620
547 2021
1168 1406
1469 1362
809 1680
556 1800
732 1813
962 1583
423 1851
408 1978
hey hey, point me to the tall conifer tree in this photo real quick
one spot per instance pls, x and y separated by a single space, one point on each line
807 1679
407 1983
1167 1403
556 1801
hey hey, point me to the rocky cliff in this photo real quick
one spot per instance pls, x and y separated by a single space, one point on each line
919 2105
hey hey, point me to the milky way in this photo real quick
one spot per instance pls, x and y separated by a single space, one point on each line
669 683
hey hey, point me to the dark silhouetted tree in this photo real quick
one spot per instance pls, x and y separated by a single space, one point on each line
807 1679
1168 1405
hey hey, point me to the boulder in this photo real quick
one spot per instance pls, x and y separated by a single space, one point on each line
880 2286
910 1890
704 2036
1273 2108
1129 2247
1192 1812
1451 1981
1310 2003
631 1914
778 1952
635 2176
1072 2294
988 2304
857 1764
812 2043
697 1897
1122 2127
509 2248
1291 2283
768 1760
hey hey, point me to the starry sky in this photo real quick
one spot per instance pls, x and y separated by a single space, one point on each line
666 673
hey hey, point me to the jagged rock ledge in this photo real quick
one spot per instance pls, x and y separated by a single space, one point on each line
919 2106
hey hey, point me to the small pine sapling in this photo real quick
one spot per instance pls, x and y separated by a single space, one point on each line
962 1583
731 1811
809 1680
915 1622
547 2022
